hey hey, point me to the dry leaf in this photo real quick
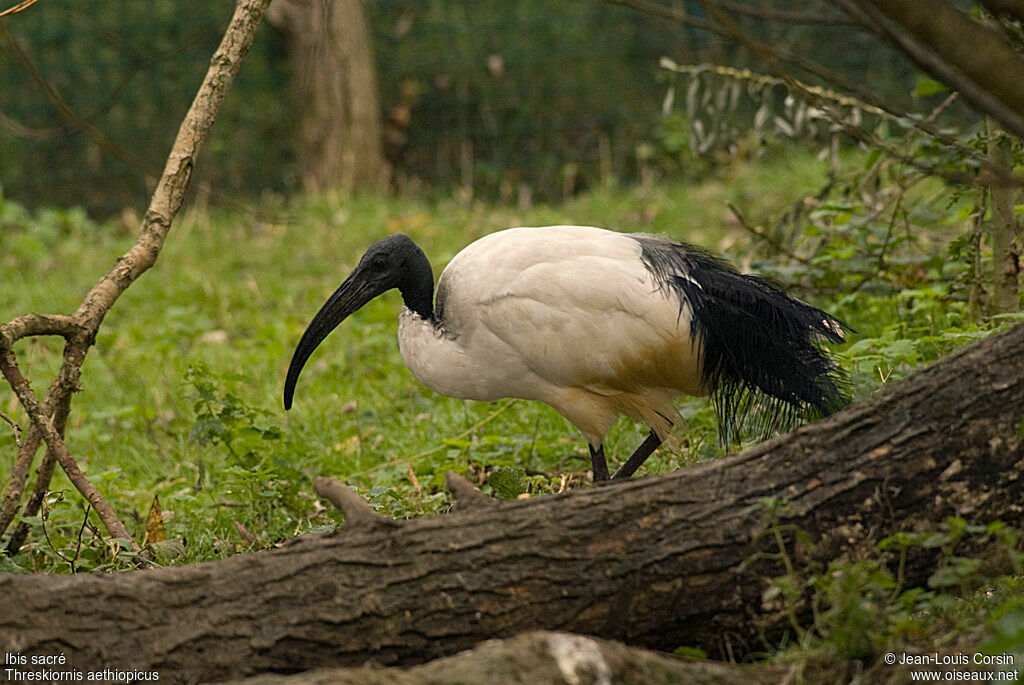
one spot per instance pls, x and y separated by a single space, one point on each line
247 537
155 523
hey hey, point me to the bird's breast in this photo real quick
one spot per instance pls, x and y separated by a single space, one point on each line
463 366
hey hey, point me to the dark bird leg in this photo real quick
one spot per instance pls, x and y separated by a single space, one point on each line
639 456
600 465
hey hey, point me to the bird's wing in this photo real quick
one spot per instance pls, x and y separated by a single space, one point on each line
595 321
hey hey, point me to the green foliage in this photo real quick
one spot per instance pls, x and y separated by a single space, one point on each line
260 468
926 87
861 609
507 483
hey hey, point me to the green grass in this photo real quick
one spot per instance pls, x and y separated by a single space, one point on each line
181 394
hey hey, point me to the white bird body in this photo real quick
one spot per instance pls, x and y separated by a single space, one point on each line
566 315
596 324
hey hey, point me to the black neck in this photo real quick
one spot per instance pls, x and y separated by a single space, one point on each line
417 285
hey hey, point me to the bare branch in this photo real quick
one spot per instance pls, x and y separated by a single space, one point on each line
357 511
762 51
25 4
57 404
41 134
769 56
61 105
945 42
9 367
39 324
756 232
466 495
15 426
85 124
785 16
28 133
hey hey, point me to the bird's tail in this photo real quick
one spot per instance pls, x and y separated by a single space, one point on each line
759 347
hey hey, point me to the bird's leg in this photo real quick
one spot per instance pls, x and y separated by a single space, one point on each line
638 457
600 465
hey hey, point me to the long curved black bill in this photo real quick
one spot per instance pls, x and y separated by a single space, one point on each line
350 296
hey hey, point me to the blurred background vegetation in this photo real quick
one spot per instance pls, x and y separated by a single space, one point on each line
527 99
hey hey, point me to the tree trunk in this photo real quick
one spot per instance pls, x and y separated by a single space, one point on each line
336 86
656 562
1006 243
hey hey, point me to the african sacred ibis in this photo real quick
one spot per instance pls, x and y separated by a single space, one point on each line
596 324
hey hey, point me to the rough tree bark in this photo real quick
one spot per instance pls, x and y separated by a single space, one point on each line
656 562
335 79
544 658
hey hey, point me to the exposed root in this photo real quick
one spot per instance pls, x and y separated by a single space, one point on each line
357 511
465 494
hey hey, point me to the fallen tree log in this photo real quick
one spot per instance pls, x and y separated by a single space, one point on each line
656 562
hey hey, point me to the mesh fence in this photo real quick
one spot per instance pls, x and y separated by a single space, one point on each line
542 97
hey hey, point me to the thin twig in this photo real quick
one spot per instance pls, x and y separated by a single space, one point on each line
924 126
62 106
78 543
764 80
769 56
880 266
771 51
78 123
21 6
761 235
15 426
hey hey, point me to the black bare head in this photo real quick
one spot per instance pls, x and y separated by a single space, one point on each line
392 262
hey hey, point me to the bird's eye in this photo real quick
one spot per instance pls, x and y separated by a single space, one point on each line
376 262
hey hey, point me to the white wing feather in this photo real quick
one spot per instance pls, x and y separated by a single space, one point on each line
576 306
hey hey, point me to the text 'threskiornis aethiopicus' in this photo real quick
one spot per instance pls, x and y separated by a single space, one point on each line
596 324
